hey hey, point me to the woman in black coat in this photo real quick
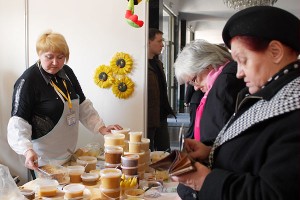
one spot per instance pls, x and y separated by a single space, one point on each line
256 154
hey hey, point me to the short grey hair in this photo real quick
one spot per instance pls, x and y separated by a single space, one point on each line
196 56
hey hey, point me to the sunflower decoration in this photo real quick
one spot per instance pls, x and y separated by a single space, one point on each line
123 87
121 63
103 76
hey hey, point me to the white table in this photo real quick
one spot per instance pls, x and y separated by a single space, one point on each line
168 193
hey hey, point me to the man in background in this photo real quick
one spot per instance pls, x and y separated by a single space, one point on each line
158 103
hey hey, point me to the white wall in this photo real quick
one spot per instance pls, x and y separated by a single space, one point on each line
210 31
95 30
12 63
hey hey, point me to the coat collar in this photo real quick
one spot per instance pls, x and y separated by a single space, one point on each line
274 84
47 77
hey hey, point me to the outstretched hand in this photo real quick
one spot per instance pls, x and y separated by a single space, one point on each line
107 129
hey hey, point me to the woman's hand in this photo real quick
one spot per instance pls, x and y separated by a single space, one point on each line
31 159
107 129
196 150
195 179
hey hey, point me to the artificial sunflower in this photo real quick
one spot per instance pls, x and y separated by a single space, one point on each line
121 63
103 76
123 87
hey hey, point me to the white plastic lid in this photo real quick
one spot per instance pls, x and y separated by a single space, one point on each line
130 157
89 176
136 133
76 168
110 172
47 183
113 149
71 188
86 159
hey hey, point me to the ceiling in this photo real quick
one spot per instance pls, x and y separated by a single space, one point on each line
208 17
216 9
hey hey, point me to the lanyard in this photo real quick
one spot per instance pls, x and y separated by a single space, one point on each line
68 98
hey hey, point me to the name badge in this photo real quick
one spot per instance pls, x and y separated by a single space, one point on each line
71 119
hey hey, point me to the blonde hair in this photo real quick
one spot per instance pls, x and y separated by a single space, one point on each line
54 42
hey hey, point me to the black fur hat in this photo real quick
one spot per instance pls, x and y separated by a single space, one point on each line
265 22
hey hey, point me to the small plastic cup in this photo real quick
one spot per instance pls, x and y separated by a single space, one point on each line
147 156
134 147
124 131
130 160
135 136
47 187
130 170
113 154
89 162
75 173
126 145
142 156
108 165
145 146
116 139
108 194
89 178
73 191
29 194
110 178
95 171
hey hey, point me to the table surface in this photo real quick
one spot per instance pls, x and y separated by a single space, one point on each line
92 192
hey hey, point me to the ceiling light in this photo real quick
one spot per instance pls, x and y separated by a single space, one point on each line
241 4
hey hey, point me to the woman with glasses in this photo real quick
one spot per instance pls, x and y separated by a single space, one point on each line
48 104
209 68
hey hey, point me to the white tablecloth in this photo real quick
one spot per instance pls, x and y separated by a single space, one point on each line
168 193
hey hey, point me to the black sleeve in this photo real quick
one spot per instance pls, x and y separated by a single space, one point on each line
23 99
189 93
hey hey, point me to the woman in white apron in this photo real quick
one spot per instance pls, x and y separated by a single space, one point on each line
48 104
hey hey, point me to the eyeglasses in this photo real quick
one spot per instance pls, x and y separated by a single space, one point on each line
193 82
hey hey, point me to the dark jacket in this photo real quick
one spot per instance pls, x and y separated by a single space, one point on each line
158 104
192 95
192 98
257 154
220 103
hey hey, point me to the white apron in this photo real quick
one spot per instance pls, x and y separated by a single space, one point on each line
52 148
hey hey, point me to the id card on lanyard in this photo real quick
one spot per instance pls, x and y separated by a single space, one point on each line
71 117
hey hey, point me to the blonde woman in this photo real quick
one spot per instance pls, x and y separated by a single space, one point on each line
48 104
